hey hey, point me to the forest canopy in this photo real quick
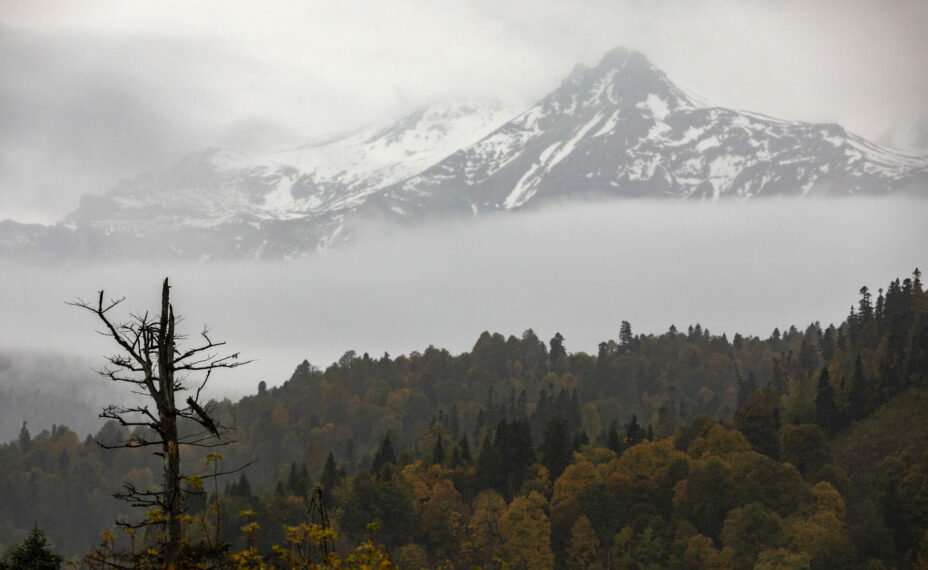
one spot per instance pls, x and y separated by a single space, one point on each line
684 449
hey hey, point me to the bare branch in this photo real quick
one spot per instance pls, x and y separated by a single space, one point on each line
151 361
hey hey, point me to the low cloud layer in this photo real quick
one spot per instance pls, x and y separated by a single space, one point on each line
580 269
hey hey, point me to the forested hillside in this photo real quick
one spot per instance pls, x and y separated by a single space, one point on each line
684 449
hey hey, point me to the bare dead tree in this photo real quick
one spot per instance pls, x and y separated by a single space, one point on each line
152 361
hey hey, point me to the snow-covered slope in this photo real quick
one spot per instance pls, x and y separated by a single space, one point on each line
617 130
222 203
219 186
624 129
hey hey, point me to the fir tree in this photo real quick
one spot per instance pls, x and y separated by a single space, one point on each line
626 338
633 434
857 396
556 446
329 473
614 441
25 439
465 450
826 410
438 452
35 553
385 455
865 306
557 349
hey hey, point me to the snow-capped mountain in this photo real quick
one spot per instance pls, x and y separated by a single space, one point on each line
620 129
224 204
624 129
218 186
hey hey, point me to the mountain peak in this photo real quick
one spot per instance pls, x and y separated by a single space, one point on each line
620 128
621 56
622 78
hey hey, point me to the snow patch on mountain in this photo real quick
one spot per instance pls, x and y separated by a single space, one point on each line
618 129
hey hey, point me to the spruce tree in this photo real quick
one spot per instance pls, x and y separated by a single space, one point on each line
557 349
614 441
826 410
857 396
35 553
556 446
465 450
626 339
633 434
438 452
24 440
329 473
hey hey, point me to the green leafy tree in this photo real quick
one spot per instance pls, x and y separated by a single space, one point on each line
750 530
805 447
584 544
707 496
759 422
526 533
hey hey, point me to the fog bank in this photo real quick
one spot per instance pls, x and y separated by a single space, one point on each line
579 269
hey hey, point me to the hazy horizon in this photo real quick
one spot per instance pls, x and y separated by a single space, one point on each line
578 269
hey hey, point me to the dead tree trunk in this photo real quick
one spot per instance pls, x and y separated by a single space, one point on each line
150 360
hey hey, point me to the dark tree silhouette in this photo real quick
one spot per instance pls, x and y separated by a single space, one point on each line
826 410
152 361
633 434
556 446
385 455
557 349
34 553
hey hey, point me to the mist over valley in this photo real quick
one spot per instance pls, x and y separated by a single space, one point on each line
574 268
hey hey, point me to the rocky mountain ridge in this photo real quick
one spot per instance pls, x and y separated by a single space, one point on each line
620 129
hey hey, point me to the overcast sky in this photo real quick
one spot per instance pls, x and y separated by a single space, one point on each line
93 91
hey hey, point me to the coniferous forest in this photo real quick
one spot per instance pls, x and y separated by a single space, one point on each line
685 449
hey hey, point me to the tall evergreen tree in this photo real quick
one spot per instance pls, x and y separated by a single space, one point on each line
556 446
557 349
34 553
865 306
633 433
329 473
385 455
879 313
613 440
857 395
518 455
826 410
25 439
465 450
778 375
829 342
626 339
438 452
490 472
